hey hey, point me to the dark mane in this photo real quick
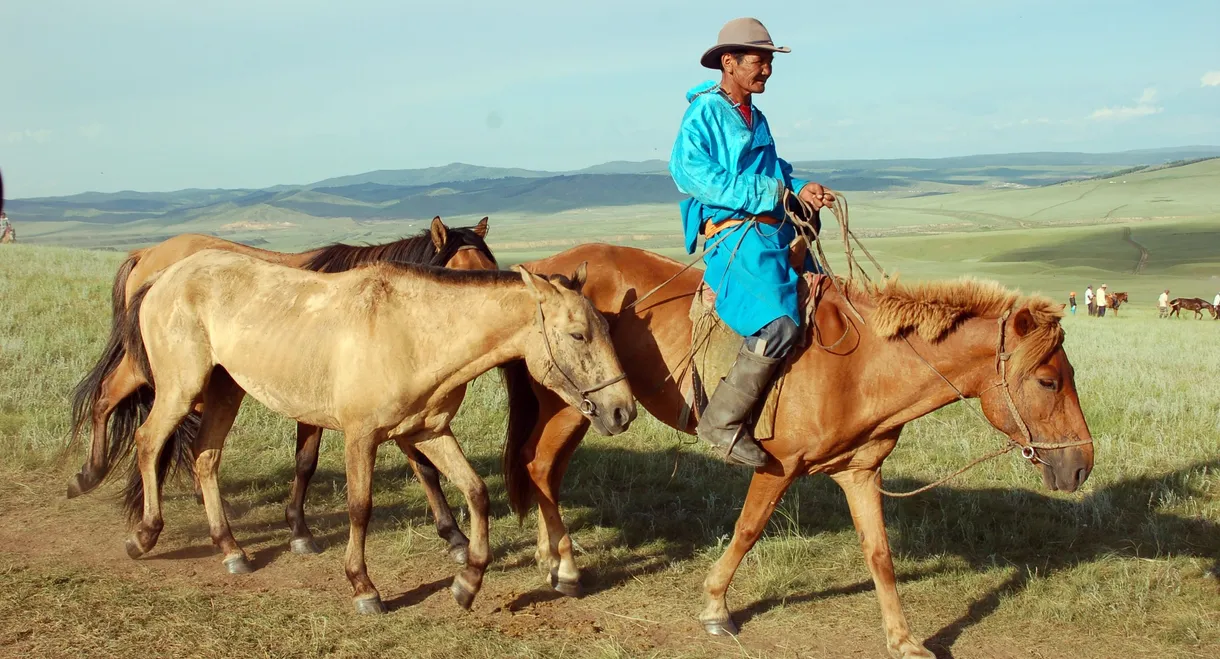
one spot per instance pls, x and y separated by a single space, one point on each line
417 249
443 274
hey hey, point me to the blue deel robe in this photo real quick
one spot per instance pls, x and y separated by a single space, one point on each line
731 170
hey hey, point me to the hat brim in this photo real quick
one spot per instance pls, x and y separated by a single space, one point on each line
711 58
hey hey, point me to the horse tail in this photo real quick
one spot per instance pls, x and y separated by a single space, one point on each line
133 410
522 417
87 392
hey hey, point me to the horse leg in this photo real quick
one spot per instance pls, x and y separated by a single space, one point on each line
119 384
864 500
150 440
223 400
560 430
360 453
766 489
444 452
309 439
446 525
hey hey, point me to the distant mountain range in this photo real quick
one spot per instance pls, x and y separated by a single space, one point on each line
462 189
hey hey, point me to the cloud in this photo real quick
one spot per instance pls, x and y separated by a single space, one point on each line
1142 108
1211 79
39 135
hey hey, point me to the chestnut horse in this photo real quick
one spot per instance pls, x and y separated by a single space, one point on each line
1195 304
114 378
1116 300
381 353
841 410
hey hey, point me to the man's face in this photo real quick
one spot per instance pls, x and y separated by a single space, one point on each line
751 72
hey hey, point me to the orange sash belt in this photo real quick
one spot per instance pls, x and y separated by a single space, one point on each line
710 229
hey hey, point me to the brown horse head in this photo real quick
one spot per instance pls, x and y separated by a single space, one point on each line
574 356
1039 381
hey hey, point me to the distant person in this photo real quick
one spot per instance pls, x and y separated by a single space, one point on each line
1162 304
1088 300
7 233
724 158
1072 302
1216 306
1101 301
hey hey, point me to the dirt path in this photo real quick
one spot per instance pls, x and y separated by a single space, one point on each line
1143 260
67 584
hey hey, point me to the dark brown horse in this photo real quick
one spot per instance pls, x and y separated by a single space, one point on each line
1115 300
105 396
1195 304
841 410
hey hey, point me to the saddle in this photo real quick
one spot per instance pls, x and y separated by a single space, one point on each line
714 348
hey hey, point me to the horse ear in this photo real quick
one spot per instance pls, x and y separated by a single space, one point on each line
440 233
1023 323
480 229
534 283
578 278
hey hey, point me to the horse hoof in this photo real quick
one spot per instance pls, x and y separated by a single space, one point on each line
458 553
133 548
568 588
77 486
238 565
724 627
305 546
462 595
370 605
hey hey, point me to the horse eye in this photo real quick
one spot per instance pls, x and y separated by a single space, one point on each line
1047 384
578 336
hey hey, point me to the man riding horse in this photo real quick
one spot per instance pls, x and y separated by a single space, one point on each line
725 159
7 233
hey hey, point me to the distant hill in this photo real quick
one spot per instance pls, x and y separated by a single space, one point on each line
462 189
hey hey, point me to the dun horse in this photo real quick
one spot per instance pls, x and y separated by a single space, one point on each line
841 410
380 353
115 377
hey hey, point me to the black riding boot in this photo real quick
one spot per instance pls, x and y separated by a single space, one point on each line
723 422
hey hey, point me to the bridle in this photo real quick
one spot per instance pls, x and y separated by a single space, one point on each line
587 407
1029 450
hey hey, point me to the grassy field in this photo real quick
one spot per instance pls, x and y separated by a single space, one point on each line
989 566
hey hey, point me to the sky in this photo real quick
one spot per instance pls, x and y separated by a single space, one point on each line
168 94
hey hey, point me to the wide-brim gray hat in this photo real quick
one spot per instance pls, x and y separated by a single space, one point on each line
740 34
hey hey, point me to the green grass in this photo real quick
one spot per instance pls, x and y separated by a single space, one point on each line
989 565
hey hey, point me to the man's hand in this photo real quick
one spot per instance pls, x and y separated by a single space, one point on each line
815 195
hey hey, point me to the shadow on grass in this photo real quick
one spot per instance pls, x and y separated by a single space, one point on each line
663 520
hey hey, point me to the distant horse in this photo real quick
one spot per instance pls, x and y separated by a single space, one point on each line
1195 304
381 353
107 389
1115 300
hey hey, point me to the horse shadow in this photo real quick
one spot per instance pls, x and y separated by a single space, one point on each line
670 507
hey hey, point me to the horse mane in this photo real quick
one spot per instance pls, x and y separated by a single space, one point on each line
417 249
933 310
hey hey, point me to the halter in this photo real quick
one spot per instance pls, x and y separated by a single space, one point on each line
1029 450
587 407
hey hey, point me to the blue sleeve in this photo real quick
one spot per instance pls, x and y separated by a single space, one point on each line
697 174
